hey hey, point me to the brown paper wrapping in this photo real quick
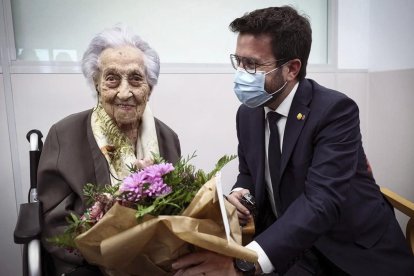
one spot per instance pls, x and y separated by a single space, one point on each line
121 244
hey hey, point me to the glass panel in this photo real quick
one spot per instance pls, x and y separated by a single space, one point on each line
182 31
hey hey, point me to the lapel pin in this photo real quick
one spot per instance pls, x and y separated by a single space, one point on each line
300 116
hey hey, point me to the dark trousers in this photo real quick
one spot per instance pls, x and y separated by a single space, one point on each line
314 262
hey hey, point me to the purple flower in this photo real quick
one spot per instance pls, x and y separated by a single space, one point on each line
158 170
146 183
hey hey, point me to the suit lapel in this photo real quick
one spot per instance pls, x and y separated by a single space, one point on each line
296 119
256 128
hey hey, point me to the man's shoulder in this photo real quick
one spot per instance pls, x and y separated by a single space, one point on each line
322 97
329 101
322 91
248 111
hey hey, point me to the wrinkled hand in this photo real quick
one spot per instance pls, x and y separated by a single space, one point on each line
205 263
242 212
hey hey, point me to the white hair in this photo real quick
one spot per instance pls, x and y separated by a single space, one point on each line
117 36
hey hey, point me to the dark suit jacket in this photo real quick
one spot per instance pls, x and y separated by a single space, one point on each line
328 198
70 159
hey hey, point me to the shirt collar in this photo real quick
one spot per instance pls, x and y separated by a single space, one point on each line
284 107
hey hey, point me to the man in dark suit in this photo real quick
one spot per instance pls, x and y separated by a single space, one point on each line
300 152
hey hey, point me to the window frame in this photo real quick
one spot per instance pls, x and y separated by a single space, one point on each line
53 67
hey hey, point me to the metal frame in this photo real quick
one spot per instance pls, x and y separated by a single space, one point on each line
34 267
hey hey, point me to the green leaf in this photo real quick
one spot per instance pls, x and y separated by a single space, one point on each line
144 210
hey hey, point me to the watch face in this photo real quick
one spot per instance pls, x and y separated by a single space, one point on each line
244 266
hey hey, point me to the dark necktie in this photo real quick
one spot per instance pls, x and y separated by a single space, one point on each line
274 155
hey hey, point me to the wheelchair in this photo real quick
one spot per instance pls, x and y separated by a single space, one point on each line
28 227
27 232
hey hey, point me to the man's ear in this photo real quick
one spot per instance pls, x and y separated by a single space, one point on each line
293 67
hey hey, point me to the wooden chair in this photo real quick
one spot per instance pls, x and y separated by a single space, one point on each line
398 202
405 206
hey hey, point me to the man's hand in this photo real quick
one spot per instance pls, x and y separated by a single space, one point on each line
242 212
205 263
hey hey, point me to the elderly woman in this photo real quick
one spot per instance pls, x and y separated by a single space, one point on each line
97 145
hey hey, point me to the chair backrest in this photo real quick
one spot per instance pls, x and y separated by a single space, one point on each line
405 206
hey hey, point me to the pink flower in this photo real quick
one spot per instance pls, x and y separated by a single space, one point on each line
96 212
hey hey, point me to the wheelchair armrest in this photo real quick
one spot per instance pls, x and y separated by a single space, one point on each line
28 225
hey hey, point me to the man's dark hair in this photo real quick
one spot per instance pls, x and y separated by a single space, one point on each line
290 32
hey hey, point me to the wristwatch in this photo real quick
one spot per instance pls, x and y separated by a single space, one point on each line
247 268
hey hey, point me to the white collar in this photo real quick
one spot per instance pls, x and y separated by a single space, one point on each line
284 107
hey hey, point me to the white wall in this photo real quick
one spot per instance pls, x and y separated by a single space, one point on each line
391 139
353 34
391 94
391 35
375 34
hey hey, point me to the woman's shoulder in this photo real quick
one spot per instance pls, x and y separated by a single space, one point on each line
164 128
168 142
73 125
74 119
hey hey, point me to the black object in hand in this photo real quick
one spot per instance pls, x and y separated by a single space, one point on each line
249 202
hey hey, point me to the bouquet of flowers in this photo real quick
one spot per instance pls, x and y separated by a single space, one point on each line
158 213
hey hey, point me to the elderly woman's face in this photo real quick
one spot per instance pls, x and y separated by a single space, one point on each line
122 85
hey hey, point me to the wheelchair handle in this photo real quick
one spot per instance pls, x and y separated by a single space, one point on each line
34 136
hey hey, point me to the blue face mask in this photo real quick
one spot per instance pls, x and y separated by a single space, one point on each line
249 88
